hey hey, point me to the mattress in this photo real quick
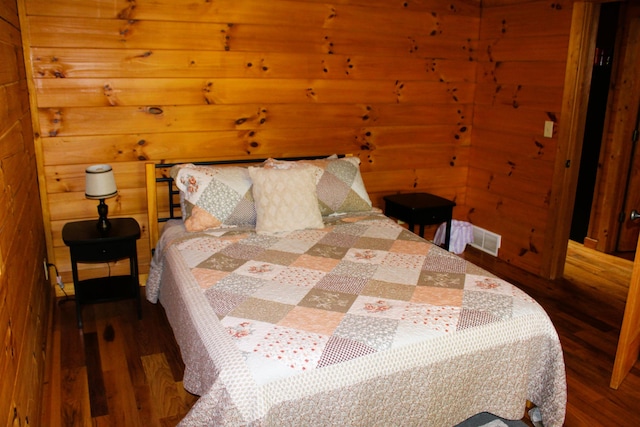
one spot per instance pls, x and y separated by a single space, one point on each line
358 323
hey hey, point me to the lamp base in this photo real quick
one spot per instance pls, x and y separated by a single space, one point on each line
103 223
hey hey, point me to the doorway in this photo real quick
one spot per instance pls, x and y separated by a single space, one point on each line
595 120
601 215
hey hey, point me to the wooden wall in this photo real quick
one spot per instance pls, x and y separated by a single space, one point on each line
127 82
25 297
522 55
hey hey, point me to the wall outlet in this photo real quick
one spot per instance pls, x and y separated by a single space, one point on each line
548 129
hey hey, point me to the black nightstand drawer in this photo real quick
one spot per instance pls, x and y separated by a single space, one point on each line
437 215
102 252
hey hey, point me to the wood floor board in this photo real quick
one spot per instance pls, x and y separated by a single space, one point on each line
143 376
164 394
144 400
123 408
95 379
76 409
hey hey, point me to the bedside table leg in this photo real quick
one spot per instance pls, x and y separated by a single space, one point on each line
133 265
78 292
79 314
447 236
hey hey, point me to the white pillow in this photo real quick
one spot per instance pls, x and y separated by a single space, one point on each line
285 200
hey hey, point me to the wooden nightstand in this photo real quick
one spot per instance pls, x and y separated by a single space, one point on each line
422 209
88 245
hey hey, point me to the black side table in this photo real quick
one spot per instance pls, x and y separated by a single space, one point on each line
89 245
422 209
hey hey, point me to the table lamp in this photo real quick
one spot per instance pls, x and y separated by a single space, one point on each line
100 184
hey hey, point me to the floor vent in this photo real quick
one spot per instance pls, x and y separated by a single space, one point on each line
486 240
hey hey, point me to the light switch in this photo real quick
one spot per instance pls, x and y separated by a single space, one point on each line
548 129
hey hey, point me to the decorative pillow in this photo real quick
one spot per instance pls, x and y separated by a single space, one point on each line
214 196
285 199
339 184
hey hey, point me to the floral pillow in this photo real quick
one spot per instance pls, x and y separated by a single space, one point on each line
214 196
339 184
285 199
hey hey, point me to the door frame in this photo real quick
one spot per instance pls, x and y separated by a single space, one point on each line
611 178
617 149
582 43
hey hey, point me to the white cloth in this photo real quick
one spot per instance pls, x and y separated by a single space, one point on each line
461 234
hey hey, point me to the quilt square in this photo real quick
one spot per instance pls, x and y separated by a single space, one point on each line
207 278
260 270
352 228
223 302
239 284
434 318
357 269
296 349
277 257
328 300
241 251
343 240
246 333
262 240
340 349
438 296
314 320
408 261
346 284
441 280
415 247
397 275
285 294
315 263
368 256
492 285
381 289
366 242
301 277
194 258
204 244
444 262
298 246
311 234
376 333
500 305
377 307
327 251
408 235
262 310
221 262
382 229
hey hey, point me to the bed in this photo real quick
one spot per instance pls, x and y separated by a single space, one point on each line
295 302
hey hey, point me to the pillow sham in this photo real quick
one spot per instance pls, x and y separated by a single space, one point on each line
214 196
285 199
339 184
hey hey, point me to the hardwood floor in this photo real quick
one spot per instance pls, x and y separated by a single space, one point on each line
121 371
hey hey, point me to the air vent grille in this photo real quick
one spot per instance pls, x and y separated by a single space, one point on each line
486 241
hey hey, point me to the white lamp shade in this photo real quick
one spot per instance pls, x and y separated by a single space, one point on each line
100 182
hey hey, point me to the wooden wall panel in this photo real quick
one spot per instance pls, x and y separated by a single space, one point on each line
25 297
522 59
392 83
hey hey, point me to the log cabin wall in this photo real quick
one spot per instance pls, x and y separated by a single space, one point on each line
127 82
522 55
25 297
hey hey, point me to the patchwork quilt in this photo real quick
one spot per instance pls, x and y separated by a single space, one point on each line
358 323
